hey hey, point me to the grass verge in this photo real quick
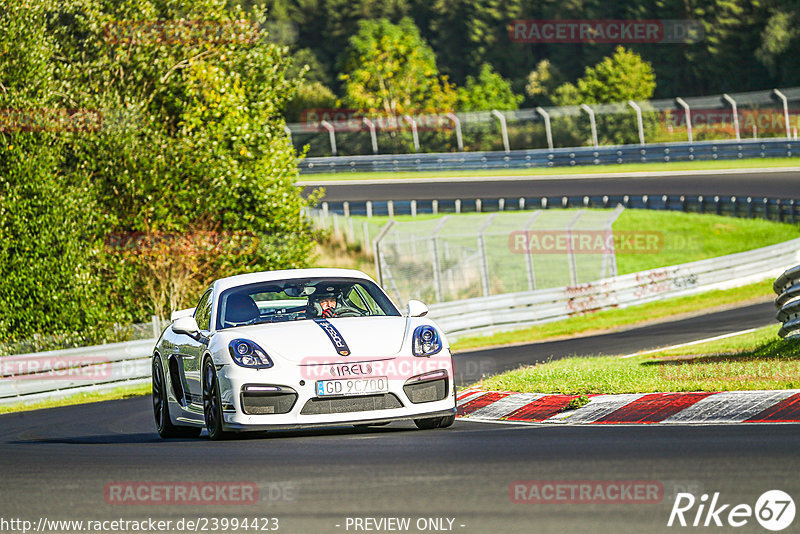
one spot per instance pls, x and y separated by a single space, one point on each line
556 171
614 319
122 392
753 361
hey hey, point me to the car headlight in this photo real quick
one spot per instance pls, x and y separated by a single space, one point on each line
248 354
426 341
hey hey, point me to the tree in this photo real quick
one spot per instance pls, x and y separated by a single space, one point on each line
487 92
389 69
191 144
616 79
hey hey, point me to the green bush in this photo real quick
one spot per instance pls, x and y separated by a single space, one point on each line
191 144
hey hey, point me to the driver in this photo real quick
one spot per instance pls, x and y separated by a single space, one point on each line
327 303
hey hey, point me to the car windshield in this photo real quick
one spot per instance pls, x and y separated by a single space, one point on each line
301 299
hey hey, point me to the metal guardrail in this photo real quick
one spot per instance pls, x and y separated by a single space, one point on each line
777 209
63 373
504 312
787 287
559 157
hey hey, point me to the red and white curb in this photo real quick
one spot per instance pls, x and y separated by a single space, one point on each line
726 407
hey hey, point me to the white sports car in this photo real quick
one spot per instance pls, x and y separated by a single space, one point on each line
299 348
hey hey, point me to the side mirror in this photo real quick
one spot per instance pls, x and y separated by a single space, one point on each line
417 308
186 325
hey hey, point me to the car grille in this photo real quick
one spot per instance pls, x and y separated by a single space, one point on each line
365 403
264 403
432 390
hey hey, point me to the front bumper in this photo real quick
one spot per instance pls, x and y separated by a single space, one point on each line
294 378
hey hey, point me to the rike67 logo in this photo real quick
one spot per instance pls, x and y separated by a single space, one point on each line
774 510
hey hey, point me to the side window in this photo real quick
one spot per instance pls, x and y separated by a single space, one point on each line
202 312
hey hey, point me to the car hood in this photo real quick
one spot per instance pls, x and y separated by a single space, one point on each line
307 341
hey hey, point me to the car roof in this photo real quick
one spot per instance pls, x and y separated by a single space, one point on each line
265 276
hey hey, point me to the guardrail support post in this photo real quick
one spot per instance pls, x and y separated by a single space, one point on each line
156 326
639 121
457 123
503 128
331 134
373 136
590 111
688 115
414 134
785 102
547 129
732 102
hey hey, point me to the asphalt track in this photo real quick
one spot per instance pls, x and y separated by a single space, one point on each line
769 183
56 463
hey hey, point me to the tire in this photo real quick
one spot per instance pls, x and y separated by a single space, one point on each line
428 424
212 404
435 422
164 424
447 421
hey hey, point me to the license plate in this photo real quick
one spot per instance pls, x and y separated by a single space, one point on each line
352 386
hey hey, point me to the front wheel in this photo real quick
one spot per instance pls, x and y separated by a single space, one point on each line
164 424
212 405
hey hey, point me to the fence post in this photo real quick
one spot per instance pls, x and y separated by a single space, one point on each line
688 114
484 258
156 326
413 124
371 126
331 134
369 208
437 268
639 121
732 102
547 128
376 246
529 253
503 128
590 111
573 267
785 102
457 123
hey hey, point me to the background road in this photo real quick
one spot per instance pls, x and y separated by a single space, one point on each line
783 184
56 463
